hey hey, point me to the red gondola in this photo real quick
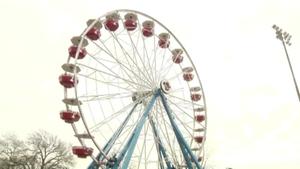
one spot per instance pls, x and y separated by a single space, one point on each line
199 139
67 80
69 116
200 118
81 151
195 97
188 76
73 50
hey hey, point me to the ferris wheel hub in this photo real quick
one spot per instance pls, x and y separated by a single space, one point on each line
140 95
165 86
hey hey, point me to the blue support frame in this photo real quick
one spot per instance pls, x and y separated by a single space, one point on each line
112 140
185 149
127 151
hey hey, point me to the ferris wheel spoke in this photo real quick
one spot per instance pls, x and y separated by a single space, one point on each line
185 125
173 91
177 74
107 83
125 69
126 54
184 112
109 118
149 154
88 98
114 115
162 65
179 108
135 52
134 46
154 62
105 95
145 53
106 50
111 82
122 65
169 66
168 69
174 76
184 100
150 67
184 106
131 83
114 73
131 43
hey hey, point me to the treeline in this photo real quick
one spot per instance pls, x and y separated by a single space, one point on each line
41 150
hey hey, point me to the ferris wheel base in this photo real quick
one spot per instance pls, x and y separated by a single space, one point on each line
123 159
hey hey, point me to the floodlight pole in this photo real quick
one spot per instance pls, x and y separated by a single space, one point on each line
285 38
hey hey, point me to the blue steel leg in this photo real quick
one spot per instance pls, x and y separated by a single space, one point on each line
112 140
187 153
161 148
127 151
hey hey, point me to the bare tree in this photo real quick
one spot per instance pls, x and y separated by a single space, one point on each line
41 150
14 153
51 152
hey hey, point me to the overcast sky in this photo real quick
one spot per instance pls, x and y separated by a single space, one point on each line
253 110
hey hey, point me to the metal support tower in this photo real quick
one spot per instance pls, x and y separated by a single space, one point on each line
122 160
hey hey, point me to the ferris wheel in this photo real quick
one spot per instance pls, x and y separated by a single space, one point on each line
133 96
